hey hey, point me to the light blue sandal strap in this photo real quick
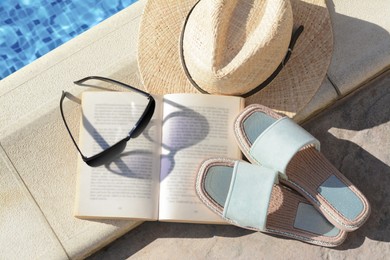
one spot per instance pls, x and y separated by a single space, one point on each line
249 195
275 147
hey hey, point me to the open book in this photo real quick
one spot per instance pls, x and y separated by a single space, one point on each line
154 178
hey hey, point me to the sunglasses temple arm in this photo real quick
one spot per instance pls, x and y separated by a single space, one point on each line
66 125
81 81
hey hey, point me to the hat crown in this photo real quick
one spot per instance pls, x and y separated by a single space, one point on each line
232 46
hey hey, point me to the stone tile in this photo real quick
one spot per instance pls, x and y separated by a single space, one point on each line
154 240
45 158
361 32
33 135
354 135
22 223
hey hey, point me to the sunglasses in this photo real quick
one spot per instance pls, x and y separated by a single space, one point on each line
111 152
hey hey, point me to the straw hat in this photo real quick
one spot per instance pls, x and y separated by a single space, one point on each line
231 47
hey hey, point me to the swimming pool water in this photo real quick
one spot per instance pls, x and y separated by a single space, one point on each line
31 28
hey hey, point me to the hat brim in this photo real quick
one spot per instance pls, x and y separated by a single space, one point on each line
161 69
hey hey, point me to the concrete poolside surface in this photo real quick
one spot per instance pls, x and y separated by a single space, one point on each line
38 161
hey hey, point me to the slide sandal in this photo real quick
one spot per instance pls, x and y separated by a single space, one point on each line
246 195
266 138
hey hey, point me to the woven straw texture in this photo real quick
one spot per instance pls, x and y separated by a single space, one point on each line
161 69
231 48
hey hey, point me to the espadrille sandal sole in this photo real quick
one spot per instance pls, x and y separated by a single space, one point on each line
246 195
277 142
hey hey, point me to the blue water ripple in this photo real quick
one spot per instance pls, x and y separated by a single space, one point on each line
31 28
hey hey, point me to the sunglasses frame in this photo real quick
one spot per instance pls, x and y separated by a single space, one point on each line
110 152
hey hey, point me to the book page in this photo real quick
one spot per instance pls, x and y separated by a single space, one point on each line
195 127
127 187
